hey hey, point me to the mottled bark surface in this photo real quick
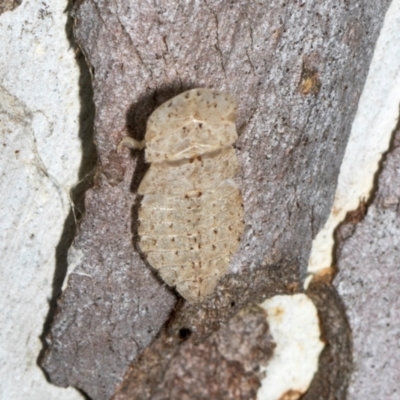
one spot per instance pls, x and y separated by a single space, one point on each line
224 366
9 5
335 363
169 370
297 70
369 282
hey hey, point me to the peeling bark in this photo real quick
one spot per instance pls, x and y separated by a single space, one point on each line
369 281
335 363
297 70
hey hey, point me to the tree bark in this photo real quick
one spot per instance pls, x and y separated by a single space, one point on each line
296 69
369 280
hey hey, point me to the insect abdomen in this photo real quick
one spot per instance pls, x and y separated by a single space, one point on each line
189 231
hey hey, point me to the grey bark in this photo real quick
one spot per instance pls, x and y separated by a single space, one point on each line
296 69
369 281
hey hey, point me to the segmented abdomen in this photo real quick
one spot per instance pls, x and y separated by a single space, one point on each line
189 236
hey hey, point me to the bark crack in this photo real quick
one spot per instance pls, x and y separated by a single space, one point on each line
173 61
217 45
128 36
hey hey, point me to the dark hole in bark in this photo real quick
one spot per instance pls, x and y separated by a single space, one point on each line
184 333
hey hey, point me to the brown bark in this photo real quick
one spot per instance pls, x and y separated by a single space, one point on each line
9 5
224 366
335 363
296 69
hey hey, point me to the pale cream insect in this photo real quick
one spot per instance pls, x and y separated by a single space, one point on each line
191 215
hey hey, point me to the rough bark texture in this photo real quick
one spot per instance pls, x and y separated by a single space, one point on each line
155 374
369 281
335 363
225 366
297 70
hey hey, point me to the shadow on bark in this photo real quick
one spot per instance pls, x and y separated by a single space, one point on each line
85 181
136 119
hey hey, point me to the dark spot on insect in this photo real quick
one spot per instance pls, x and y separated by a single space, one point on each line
199 194
200 125
191 160
184 333
215 231
213 247
171 225
230 227
186 196
191 248
199 246
173 239
16 151
195 239
233 304
199 158
177 253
